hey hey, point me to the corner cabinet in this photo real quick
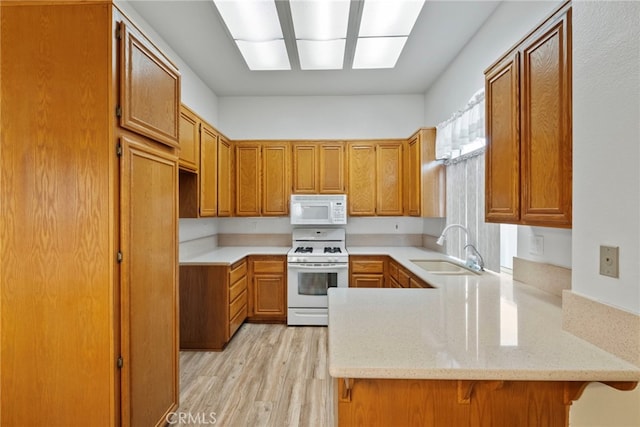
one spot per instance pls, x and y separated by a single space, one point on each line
375 178
529 128
89 245
202 175
425 176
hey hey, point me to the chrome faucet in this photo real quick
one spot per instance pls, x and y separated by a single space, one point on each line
475 262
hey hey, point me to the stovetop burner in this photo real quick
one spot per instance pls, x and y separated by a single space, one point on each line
332 250
304 250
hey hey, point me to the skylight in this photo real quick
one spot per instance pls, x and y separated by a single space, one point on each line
321 32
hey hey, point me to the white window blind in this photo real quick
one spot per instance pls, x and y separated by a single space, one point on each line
461 141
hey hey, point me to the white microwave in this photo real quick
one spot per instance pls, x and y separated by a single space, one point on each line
318 209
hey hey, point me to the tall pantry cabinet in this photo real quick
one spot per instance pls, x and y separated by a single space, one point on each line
88 219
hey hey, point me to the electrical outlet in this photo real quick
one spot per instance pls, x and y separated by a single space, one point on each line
536 245
609 261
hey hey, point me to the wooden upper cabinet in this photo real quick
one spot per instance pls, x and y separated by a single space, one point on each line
275 179
318 167
189 139
375 178
529 141
331 168
149 88
389 179
546 117
225 162
361 181
247 172
502 157
263 178
208 171
424 176
305 172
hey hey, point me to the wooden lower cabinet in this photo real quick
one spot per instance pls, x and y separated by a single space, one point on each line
424 403
213 304
268 288
367 271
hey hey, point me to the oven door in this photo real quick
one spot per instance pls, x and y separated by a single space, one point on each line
308 283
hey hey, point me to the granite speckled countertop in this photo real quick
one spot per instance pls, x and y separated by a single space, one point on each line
483 326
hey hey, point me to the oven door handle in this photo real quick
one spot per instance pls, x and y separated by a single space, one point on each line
318 267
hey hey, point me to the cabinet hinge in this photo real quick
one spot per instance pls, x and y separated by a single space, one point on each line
120 362
118 111
119 32
119 257
119 149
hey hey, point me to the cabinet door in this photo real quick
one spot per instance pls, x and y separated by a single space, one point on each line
331 168
389 179
413 169
208 171
546 144
148 288
149 89
502 158
247 179
269 295
275 179
305 174
225 160
189 139
361 182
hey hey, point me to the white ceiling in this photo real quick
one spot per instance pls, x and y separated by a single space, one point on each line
194 30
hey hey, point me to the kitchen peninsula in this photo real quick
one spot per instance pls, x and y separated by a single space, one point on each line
475 350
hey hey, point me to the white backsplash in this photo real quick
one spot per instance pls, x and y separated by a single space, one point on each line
191 228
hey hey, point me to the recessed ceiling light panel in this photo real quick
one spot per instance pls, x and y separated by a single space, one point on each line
264 56
320 19
378 52
321 55
252 20
389 17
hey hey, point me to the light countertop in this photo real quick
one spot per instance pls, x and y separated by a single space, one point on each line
226 255
469 327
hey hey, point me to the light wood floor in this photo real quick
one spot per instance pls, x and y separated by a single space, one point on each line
269 375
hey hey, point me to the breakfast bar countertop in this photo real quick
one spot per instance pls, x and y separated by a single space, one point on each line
480 327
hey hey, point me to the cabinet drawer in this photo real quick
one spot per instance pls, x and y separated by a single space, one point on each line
236 305
369 266
238 270
237 320
272 266
403 278
237 288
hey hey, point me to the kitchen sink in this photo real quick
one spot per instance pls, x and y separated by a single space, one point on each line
438 266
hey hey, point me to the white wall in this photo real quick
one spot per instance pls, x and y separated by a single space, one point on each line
508 24
195 93
321 117
606 135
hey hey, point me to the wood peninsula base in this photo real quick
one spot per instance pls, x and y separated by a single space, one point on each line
452 403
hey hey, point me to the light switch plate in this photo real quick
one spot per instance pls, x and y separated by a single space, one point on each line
609 261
